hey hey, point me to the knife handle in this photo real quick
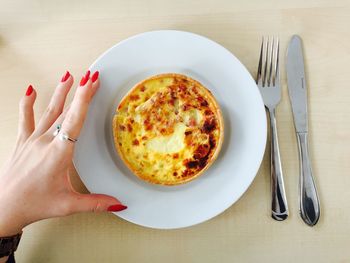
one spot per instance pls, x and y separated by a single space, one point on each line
309 202
279 204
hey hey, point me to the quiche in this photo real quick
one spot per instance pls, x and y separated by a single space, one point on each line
168 129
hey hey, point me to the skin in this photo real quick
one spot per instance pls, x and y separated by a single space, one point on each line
34 182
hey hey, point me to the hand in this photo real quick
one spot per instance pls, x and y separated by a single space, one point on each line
34 183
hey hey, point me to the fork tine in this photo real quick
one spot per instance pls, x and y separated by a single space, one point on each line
259 77
277 69
266 44
271 58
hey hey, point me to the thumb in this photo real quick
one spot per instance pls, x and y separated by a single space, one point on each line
95 203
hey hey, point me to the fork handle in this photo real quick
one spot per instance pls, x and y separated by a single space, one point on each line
309 202
279 204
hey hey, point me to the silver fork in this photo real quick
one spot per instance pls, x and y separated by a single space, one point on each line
268 80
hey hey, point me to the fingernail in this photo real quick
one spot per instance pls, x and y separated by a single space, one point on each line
29 90
116 208
87 74
95 76
65 76
85 78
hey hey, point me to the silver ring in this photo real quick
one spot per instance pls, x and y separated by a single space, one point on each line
57 131
62 135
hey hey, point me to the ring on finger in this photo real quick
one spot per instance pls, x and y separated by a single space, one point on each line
57 131
63 136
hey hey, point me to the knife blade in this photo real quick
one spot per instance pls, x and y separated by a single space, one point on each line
297 89
296 84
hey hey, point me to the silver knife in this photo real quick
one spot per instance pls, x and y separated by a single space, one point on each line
309 201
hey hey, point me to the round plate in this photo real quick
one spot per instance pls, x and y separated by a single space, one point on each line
167 207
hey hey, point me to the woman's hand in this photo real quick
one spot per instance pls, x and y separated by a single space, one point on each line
34 183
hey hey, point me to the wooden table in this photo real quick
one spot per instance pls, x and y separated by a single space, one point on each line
39 40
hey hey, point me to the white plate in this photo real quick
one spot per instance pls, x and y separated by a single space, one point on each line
138 57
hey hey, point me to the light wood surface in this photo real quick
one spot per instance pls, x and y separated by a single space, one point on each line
39 40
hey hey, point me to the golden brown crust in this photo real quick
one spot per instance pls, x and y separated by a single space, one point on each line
157 124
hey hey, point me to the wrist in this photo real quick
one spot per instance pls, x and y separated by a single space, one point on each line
9 229
3 259
11 220
10 223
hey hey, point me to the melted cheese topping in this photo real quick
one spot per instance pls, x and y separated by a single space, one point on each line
168 143
168 129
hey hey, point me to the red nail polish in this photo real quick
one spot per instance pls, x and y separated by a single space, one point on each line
87 74
95 76
29 90
116 208
65 76
85 78
82 81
